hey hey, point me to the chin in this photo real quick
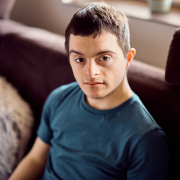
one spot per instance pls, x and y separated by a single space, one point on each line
94 95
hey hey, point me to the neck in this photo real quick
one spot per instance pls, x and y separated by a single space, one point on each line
122 93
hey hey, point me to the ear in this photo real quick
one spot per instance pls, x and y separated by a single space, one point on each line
130 56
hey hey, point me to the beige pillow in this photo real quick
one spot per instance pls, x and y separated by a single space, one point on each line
16 124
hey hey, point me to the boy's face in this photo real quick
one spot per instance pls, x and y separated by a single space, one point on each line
98 64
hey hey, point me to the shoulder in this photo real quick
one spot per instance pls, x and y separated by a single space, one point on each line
62 91
138 122
150 158
153 142
140 116
59 94
153 146
156 136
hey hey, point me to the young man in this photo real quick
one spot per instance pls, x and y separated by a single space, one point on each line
97 128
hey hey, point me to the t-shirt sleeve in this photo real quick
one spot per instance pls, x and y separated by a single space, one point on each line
150 158
44 130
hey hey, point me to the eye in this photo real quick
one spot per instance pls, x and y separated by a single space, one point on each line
104 58
79 60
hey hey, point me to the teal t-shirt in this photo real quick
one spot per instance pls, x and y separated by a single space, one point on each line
89 144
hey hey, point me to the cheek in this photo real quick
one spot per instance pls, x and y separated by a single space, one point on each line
77 74
116 73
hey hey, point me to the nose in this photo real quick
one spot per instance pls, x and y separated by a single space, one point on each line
92 69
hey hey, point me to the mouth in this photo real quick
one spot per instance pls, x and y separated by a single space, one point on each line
94 84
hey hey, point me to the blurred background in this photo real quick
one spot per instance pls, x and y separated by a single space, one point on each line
151 38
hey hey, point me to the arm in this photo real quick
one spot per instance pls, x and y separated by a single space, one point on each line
150 158
33 164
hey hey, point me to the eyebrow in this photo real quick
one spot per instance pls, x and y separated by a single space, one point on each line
73 51
99 53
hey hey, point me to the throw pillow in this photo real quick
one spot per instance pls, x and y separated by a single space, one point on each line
16 125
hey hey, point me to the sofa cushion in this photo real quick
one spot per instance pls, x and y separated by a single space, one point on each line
16 125
5 8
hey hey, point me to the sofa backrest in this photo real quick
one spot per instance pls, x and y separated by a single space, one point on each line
162 98
172 74
34 61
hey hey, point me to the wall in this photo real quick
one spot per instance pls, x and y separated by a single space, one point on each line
48 14
150 39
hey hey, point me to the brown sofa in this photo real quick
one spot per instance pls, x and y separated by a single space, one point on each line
35 62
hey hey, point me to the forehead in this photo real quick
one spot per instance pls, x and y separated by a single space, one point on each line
104 41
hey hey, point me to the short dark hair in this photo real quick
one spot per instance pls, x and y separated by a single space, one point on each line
96 18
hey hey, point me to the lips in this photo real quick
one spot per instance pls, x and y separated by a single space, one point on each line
93 83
